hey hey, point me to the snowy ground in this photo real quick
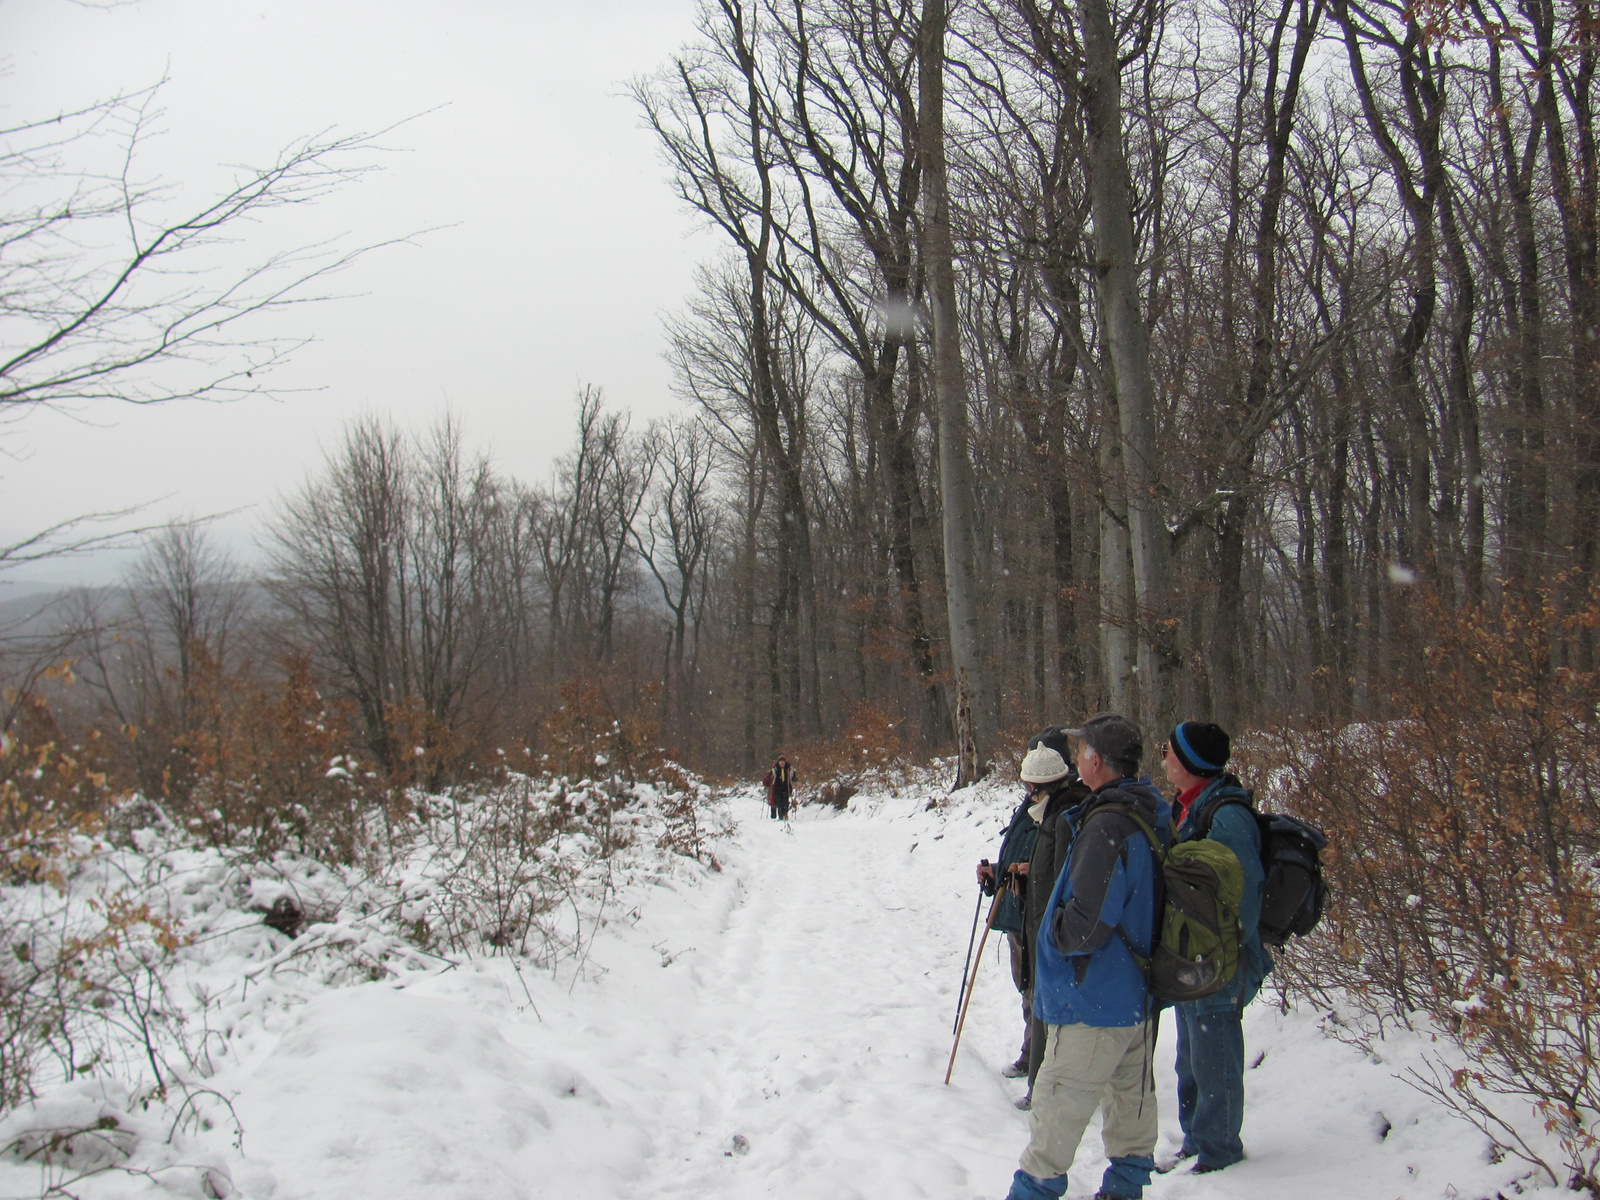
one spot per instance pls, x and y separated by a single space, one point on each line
780 1028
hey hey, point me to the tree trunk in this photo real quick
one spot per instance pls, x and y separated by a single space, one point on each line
975 717
1116 571
1527 473
1575 173
1128 359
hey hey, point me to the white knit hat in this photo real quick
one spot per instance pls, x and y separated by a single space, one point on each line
1043 765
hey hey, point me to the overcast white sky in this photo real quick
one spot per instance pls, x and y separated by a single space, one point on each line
564 249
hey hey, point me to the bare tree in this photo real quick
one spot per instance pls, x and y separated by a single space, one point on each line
845 77
975 712
716 124
675 540
339 571
110 289
586 531
147 651
191 595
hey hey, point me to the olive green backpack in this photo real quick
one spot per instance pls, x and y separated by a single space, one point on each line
1198 946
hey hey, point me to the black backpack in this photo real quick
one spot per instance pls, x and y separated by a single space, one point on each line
1295 893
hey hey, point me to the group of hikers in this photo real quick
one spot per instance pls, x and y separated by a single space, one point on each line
1117 903
1081 894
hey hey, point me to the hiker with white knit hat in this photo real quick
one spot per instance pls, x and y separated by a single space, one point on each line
1047 775
1051 797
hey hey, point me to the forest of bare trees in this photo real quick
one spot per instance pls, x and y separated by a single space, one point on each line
1237 360
1058 357
1251 338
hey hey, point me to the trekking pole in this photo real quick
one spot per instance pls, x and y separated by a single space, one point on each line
966 966
967 1003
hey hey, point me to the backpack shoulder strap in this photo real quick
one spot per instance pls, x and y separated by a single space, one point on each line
1160 851
1246 802
1129 811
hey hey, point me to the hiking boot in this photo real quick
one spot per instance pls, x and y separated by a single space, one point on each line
1172 1164
1026 1103
1201 1168
1016 1070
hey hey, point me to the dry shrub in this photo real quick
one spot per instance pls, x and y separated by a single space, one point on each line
871 750
273 764
1465 831
591 736
836 793
52 787
74 977
687 807
52 792
276 765
426 751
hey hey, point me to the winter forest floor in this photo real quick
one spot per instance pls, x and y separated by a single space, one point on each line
779 1028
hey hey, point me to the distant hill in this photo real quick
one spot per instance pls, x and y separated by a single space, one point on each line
38 610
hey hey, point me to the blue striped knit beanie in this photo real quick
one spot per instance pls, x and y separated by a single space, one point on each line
1201 747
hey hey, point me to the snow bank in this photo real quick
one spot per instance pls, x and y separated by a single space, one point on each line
777 1027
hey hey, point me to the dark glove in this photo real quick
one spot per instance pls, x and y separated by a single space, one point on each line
986 877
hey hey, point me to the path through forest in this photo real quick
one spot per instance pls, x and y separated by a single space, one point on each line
779 1028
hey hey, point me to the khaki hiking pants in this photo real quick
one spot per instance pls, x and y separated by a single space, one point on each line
1083 1069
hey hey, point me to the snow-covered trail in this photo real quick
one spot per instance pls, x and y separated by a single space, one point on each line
779 1029
820 1031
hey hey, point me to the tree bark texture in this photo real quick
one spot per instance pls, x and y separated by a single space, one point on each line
955 462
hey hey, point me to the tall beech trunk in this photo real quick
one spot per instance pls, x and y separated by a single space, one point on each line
1574 158
1116 580
1418 188
1282 93
1128 361
976 727
875 181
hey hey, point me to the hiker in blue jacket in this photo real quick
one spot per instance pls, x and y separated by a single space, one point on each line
1089 989
1010 873
1212 803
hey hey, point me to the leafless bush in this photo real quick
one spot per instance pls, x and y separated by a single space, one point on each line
496 874
686 808
1465 832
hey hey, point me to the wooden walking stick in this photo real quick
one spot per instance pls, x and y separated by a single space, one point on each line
967 1003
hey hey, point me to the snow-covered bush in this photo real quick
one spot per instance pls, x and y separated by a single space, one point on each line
693 820
128 969
490 865
510 868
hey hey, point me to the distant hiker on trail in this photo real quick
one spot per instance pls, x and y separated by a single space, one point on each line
779 782
1212 803
1089 987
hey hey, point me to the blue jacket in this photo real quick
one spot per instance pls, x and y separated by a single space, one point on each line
1015 847
1104 900
1235 827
